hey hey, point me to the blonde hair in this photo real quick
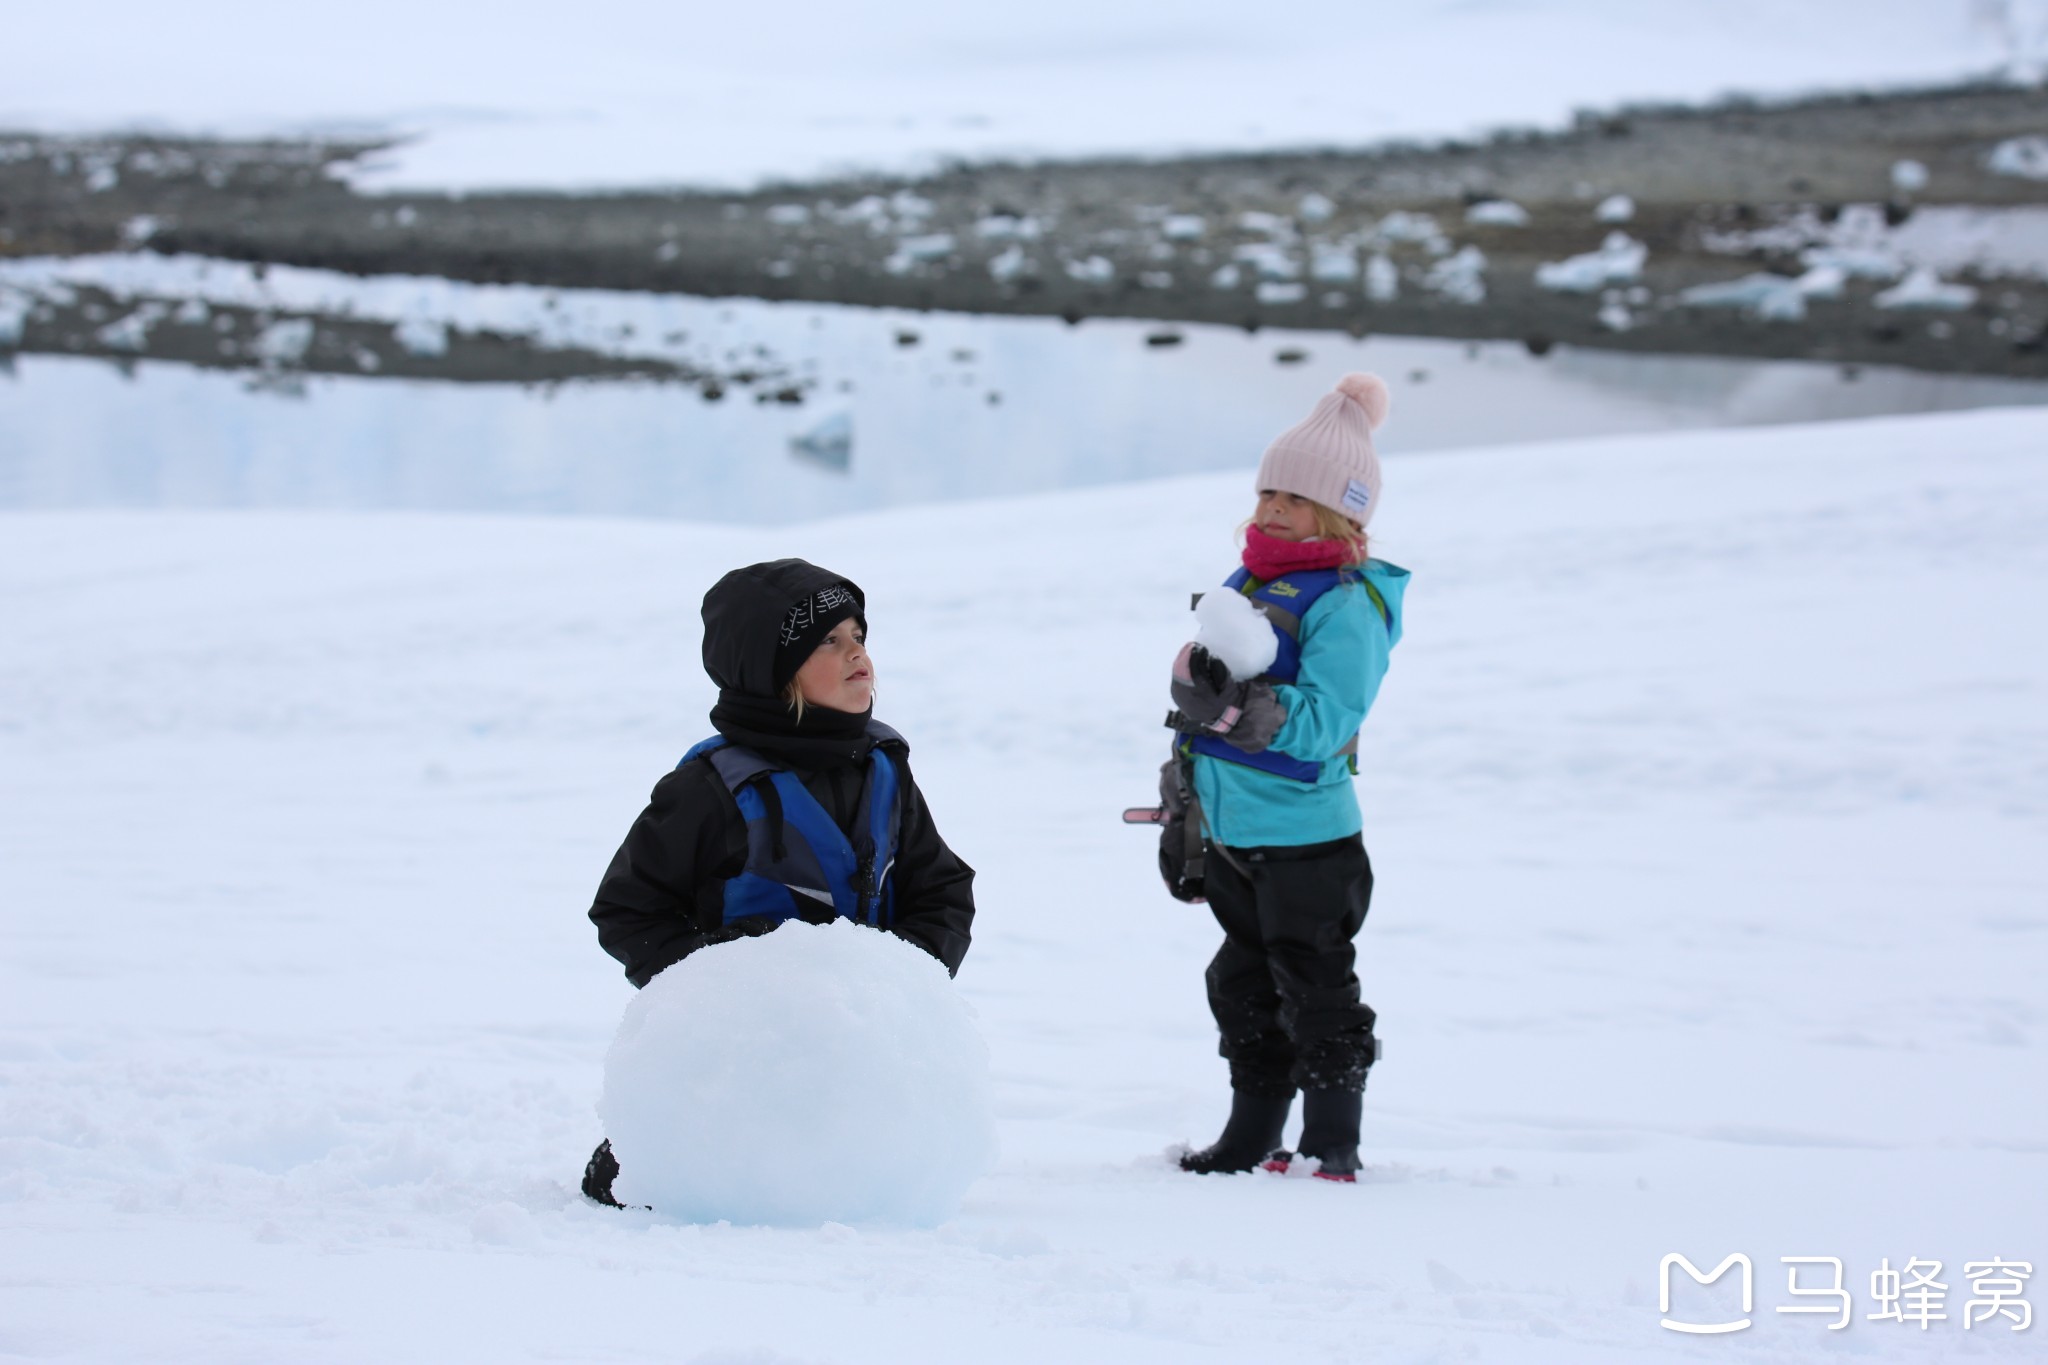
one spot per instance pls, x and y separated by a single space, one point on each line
793 698
1330 525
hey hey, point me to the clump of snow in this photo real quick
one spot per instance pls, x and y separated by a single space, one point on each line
421 336
283 342
820 1073
1184 227
1226 277
1093 270
789 215
1008 227
1923 288
14 311
1619 258
1315 208
1909 176
1007 264
914 251
1278 291
1382 279
1333 262
1497 213
131 333
2025 157
1418 229
1235 631
1615 208
1461 278
1271 260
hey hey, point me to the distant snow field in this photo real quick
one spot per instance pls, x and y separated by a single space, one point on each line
1704 798
630 92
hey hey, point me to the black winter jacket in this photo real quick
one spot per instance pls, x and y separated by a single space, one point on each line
662 898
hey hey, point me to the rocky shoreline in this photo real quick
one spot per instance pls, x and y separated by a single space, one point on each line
1849 229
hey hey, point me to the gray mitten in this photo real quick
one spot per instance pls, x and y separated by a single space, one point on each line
1245 715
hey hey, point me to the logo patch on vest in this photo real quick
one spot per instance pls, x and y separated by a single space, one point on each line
1283 589
1356 496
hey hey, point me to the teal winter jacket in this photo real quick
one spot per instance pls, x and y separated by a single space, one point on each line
1345 645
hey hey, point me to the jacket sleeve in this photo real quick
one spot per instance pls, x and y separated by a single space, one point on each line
647 909
934 888
1344 652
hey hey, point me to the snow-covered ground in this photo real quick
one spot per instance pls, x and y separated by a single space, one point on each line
622 92
1705 797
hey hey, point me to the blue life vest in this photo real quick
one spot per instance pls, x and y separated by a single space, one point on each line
1284 601
800 864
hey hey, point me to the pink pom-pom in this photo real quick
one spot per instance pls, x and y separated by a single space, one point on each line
1369 391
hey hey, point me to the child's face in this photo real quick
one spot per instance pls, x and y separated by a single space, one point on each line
1285 516
839 673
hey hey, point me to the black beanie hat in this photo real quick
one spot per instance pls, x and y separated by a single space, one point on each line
805 626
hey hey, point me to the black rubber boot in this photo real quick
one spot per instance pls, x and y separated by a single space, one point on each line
599 1175
1329 1131
1252 1133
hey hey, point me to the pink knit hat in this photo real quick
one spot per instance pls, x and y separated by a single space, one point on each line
1329 458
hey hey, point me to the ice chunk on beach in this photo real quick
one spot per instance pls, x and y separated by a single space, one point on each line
1315 208
1615 208
819 1073
1235 631
1923 288
1461 278
1909 176
2025 157
283 342
1619 259
789 215
1775 297
1270 259
14 310
1278 291
1333 262
1382 279
1184 227
1007 264
1094 270
1497 213
421 336
914 251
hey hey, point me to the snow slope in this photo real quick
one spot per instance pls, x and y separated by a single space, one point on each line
1705 798
632 92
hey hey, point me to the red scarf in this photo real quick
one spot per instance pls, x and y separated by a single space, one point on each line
1268 557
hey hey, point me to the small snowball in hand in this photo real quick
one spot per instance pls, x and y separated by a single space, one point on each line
1235 631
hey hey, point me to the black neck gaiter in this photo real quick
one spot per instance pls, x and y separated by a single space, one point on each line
824 738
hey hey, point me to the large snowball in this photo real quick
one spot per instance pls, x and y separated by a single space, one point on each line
820 1073
1235 631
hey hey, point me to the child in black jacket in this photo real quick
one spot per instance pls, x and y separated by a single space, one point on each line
802 805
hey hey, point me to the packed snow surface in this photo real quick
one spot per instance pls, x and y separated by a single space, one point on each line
1235 631
817 1074
638 92
1704 799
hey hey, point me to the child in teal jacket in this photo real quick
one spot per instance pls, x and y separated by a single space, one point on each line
1268 828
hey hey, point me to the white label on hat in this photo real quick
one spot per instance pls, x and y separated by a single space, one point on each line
1356 496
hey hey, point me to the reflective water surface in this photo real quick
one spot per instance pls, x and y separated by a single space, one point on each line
975 407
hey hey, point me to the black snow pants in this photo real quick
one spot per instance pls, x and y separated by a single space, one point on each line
1282 986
